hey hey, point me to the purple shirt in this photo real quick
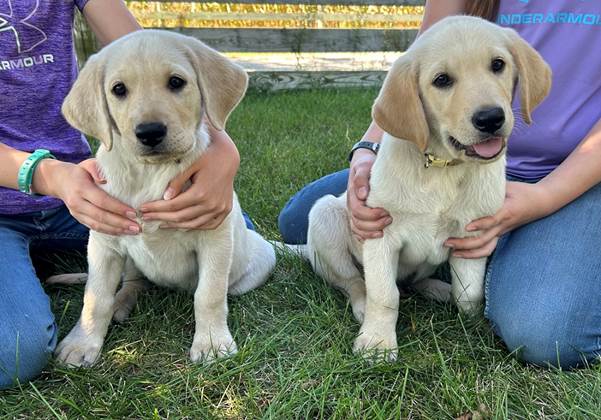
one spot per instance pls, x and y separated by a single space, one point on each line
37 69
567 33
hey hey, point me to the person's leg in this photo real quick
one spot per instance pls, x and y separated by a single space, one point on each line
543 286
294 217
27 330
57 230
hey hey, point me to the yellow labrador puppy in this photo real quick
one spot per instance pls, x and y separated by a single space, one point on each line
146 97
446 109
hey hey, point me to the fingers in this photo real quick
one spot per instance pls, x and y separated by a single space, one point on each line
103 221
460 244
180 216
368 232
366 222
204 212
360 182
484 251
189 198
372 226
479 246
103 201
92 206
204 222
360 210
175 187
483 223
102 213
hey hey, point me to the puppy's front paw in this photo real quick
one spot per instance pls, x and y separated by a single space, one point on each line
77 349
358 306
375 346
210 347
469 308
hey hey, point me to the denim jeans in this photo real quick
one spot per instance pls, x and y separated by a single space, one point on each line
27 329
543 283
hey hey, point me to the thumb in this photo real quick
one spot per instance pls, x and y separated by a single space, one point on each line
361 183
175 187
91 167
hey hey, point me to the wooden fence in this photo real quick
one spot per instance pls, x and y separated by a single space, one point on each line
295 27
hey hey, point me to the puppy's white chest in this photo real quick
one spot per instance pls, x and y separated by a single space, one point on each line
422 237
166 258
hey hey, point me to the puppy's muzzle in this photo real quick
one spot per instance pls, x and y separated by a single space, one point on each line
151 134
489 120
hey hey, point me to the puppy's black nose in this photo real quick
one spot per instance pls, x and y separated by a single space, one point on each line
151 134
489 120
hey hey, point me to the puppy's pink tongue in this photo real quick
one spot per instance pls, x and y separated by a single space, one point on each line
489 147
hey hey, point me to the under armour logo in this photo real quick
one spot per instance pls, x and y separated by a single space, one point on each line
14 24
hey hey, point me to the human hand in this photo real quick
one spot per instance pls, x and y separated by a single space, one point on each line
366 222
76 186
208 200
523 204
91 166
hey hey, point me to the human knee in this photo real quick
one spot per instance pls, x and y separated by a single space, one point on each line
293 223
26 350
545 341
293 220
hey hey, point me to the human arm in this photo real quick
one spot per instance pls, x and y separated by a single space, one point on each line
109 19
76 186
208 200
525 203
368 222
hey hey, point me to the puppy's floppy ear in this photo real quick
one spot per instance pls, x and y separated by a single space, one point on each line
398 109
222 83
534 74
85 107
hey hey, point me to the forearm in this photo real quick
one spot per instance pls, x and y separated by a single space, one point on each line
436 10
109 19
10 162
12 159
576 175
222 150
373 134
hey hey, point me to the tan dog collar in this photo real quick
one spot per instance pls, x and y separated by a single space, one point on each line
433 161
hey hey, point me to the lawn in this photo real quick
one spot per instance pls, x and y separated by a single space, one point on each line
295 333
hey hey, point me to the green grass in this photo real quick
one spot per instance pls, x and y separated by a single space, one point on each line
295 333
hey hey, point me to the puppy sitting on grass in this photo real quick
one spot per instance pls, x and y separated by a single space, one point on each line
446 109
146 97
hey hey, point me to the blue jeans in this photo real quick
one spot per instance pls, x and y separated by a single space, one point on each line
28 332
543 283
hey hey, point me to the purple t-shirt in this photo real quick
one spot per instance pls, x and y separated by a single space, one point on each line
567 33
37 69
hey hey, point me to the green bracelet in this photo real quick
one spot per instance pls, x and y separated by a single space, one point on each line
27 169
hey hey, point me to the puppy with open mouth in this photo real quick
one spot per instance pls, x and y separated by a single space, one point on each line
148 97
445 108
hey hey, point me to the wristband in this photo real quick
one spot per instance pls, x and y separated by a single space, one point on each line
374 147
27 169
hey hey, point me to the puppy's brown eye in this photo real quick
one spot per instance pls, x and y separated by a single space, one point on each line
497 65
176 83
443 80
119 90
